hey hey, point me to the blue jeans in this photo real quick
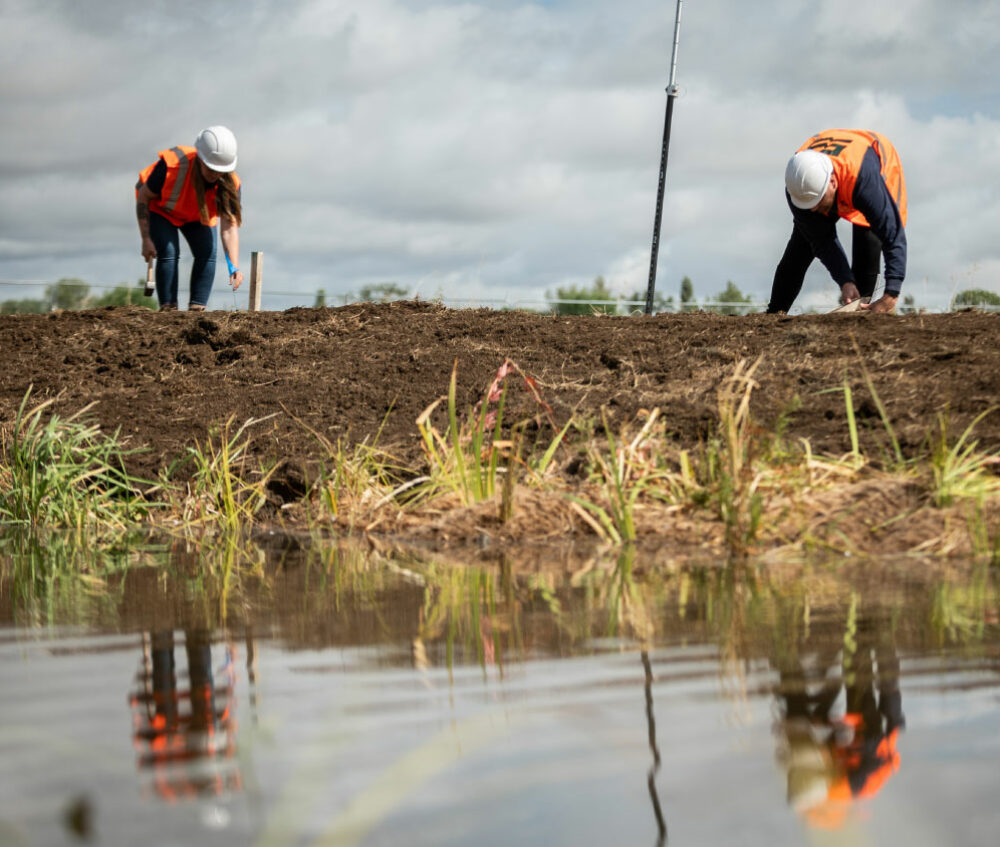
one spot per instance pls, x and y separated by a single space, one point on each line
201 240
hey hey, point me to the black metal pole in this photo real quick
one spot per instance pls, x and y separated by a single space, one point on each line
668 117
659 201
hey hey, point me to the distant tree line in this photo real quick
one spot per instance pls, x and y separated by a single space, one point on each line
71 293
597 298
578 300
586 300
975 297
380 292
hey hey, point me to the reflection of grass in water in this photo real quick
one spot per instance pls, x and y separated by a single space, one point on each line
461 608
53 579
961 613
494 615
742 609
224 565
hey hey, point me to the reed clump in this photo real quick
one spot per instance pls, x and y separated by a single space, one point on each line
353 482
479 456
227 487
730 470
625 474
464 459
65 473
960 470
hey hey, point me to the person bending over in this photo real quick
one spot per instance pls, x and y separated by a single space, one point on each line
853 174
189 190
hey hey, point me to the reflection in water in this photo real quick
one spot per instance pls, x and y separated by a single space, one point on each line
185 737
402 648
836 755
654 796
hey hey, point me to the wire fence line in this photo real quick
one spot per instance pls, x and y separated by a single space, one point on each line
226 300
279 300
616 306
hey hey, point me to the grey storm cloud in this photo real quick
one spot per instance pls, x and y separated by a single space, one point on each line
492 149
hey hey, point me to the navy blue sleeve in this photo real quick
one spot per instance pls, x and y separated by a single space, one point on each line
821 233
872 198
157 178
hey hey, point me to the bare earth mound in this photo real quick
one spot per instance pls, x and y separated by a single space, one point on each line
165 378
347 373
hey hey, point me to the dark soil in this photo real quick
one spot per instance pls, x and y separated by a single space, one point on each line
366 371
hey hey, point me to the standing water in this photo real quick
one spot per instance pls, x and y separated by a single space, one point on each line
224 694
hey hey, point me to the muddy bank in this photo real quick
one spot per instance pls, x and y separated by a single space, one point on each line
367 371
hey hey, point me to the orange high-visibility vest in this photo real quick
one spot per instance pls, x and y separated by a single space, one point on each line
846 149
178 201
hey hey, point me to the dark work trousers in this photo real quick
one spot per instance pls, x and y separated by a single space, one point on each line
201 240
866 248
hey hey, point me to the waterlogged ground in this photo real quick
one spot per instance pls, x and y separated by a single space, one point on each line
286 693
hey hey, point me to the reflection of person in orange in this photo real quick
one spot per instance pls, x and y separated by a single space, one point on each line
834 761
185 737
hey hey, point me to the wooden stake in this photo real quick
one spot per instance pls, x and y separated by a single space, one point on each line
256 260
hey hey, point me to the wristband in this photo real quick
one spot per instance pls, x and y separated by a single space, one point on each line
232 268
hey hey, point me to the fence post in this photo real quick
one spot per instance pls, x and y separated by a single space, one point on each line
256 260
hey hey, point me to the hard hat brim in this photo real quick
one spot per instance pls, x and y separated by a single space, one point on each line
808 203
222 169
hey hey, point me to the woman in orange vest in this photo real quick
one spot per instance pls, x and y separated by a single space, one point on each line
189 190
852 174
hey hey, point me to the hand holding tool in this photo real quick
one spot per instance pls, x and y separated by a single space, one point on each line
853 306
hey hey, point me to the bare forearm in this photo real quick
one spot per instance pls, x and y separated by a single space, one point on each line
142 215
230 236
229 233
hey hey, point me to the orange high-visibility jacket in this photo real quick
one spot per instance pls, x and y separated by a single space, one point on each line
846 148
178 201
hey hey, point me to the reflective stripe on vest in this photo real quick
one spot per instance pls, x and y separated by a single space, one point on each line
182 166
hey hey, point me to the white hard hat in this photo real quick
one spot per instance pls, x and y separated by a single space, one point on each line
216 147
806 178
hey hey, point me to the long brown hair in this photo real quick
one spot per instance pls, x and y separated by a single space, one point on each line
227 198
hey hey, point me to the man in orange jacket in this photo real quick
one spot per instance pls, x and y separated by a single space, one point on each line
856 175
189 190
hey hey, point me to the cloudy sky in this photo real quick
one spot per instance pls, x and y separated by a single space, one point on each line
493 150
